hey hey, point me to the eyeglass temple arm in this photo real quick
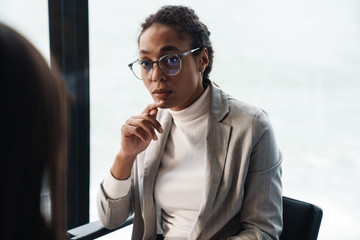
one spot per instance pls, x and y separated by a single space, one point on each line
189 52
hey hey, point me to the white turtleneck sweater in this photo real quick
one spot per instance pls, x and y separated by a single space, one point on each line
180 180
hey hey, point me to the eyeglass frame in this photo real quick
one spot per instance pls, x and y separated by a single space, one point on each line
180 56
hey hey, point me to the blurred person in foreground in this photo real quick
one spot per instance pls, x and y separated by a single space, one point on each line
196 163
33 131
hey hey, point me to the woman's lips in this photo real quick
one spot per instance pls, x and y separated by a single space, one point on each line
162 93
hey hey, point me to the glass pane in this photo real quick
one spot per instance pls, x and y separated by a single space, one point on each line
30 18
298 60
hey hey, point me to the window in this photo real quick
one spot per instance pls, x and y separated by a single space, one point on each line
30 18
298 60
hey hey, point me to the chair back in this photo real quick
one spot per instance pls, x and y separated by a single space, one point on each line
301 220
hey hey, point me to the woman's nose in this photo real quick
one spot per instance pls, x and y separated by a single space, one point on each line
157 74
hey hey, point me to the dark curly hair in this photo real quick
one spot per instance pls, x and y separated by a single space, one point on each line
185 21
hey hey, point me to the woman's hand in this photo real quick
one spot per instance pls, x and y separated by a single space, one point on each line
136 135
138 131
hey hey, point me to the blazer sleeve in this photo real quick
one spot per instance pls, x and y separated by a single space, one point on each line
113 212
261 214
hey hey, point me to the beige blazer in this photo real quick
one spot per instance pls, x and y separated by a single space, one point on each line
243 192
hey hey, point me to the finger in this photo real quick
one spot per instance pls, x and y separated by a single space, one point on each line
150 113
154 112
154 122
153 106
140 133
147 123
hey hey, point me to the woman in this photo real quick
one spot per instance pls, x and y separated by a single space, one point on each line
34 116
196 164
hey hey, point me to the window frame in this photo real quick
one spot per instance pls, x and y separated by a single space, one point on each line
69 48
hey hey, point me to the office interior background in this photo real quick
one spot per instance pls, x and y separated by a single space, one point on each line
298 60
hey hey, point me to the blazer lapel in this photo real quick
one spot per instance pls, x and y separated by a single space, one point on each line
217 142
152 161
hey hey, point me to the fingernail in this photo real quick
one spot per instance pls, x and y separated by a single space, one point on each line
155 137
161 130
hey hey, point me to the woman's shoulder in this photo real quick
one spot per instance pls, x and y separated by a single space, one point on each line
239 106
241 111
236 107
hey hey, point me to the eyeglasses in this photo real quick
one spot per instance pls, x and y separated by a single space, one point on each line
169 64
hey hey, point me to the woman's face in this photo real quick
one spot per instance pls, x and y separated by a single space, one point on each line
179 91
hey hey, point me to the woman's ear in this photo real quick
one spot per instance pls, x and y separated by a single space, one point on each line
203 59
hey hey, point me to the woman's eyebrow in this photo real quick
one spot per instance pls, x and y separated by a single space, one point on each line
169 48
142 51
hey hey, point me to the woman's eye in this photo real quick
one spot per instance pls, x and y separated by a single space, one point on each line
172 61
145 64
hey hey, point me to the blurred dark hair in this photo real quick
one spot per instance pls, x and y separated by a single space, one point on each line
185 21
34 132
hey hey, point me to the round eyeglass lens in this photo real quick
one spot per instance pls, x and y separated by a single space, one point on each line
141 69
170 65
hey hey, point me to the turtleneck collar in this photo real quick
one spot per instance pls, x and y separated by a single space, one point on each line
197 109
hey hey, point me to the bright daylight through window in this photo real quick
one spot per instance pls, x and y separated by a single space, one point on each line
298 60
